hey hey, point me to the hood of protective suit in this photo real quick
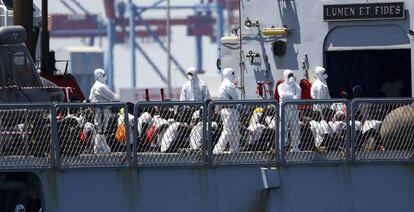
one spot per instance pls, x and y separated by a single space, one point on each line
320 73
100 75
192 73
228 73
288 76
228 88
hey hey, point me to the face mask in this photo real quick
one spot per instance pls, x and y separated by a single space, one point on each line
325 76
190 77
232 77
291 80
103 78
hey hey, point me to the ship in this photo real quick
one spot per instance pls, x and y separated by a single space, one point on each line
158 155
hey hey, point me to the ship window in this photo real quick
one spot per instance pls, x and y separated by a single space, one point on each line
19 58
24 74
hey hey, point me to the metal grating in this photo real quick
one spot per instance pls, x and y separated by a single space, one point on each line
170 133
86 135
314 131
243 132
25 136
383 130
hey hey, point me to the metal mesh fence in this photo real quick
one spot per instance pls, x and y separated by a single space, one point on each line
190 133
314 131
242 132
170 133
383 129
25 136
93 135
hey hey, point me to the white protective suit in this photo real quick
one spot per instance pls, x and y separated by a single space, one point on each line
157 122
169 135
290 89
100 92
143 118
271 122
337 127
371 124
196 134
319 89
320 130
229 116
255 128
194 89
358 125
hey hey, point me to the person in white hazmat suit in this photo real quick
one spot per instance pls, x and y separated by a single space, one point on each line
100 92
319 89
194 89
196 134
288 90
229 116
255 128
169 135
143 118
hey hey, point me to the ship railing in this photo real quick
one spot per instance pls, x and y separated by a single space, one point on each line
26 132
92 135
194 133
314 131
41 136
170 133
382 129
242 132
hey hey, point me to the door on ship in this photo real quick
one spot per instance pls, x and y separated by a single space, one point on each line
375 57
380 73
